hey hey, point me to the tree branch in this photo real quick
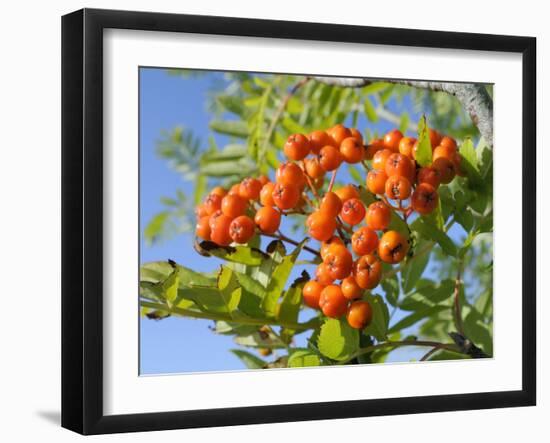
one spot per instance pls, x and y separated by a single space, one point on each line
474 98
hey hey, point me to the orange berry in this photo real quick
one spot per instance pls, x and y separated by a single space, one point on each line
212 203
448 142
429 175
296 147
200 211
331 204
359 314
233 205
264 179
202 229
313 167
339 133
332 301
392 139
445 168
322 274
268 219
250 188
353 211
376 181
398 164
367 271
380 158
330 158
266 194
290 174
447 152
457 160
352 150
398 187
378 216
220 229
319 139
286 196
375 145
356 134
311 293
424 199
393 247
435 138
328 243
351 289
321 225
339 261
235 189
347 192
242 229
406 145
218 190
364 241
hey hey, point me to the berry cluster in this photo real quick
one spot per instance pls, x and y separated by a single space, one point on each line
334 217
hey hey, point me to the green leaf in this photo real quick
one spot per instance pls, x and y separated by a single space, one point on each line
260 339
293 127
370 112
337 339
391 289
230 152
232 104
228 168
158 271
424 152
380 318
226 328
436 293
469 164
278 280
416 317
170 287
478 330
294 105
430 232
374 87
250 360
236 128
414 267
356 175
301 358
292 300
237 254
155 227
404 122
230 290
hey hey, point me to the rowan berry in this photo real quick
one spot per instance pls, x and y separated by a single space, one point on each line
235 189
266 194
332 301
218 190
378 216
268 219
339 261
446 151
393 247
398 164
202 230
364 241
359 314
220 229
347 192
328 243
200 211
286 196
406 145
398 187
376 181
319 139
212 203
323 275
264 179
290 174
356 134
367 271
242 229
445 168
296 147
424 199
429 175
313 167
435 137
392 139
311 293
353 211
331 204
351 289
352 150
330 158
250 188
373 147
448 142
380 158
233 205
338 133
321 225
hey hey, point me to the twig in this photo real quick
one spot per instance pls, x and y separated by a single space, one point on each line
332 180
457 312
286 239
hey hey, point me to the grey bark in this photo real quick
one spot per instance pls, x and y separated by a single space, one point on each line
474 98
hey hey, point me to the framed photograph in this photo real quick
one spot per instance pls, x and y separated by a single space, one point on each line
270 221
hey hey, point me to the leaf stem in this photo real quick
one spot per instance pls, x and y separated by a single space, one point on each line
332 180
457 311
282 237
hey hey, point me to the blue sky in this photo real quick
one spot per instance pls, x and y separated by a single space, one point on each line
182 344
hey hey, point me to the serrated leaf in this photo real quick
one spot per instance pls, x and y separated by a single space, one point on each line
250 360
416 317
424 152
236 128
237 254
370 112
226 328
230 152
414 268
301 358
380 318
292 299
430 232
278 280
292 126
337 339
229 168
391 289
170 287
478 331
159 270
232 104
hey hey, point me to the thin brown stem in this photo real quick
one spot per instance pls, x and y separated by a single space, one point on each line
282 237
332 180
457 310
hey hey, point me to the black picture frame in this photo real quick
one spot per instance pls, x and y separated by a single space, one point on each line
82 218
